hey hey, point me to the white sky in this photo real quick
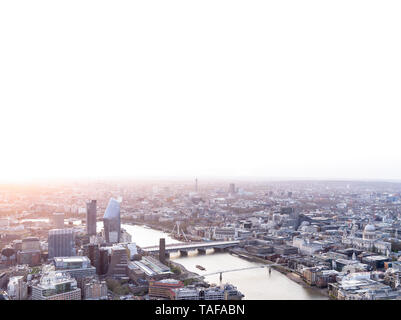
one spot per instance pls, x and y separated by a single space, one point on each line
200 88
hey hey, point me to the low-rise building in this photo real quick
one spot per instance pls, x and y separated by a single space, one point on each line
95 290
163 288
55 285
77 266
227 292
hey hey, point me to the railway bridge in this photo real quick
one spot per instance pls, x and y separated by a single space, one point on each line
185 247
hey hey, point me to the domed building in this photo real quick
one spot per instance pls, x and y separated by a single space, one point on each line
371 240
369 233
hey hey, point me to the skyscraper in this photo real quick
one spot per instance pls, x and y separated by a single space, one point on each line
117 267
111 222
103 264
231 188
61 243
91 218
91 250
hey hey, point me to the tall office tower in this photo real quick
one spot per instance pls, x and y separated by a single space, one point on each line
196 184
91 218
58 220
91 250
294 214
118 262
111 222
162 250
103 264
61 243
231 188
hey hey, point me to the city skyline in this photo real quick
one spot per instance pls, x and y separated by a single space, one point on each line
188 157
302 240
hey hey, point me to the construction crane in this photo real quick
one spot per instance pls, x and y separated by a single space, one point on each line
179 230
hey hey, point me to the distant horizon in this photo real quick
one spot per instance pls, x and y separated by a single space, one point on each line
191 179
228 90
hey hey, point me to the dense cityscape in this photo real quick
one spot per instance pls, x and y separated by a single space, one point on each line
211 159
85 241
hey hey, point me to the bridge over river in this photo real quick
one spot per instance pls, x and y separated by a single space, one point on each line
184 247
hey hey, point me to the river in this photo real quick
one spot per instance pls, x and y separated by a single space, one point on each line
255 284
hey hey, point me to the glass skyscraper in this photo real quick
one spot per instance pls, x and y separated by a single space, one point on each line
111 222
91 218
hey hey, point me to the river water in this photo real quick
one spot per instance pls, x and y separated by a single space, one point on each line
255 284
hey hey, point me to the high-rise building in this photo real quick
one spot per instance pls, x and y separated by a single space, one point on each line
132 249
61 243
103 264
58 220
55 285
231 188
111 222
91 250
17 288
196 185
118 262
91 218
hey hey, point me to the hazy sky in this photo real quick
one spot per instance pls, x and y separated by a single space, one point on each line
200 88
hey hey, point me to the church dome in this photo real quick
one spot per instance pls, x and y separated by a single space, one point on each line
370 228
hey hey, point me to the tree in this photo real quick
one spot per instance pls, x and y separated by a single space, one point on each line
175 269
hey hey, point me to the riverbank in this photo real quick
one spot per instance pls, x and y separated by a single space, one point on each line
165 230
296 278
144 225
185 273
255 284
283 270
